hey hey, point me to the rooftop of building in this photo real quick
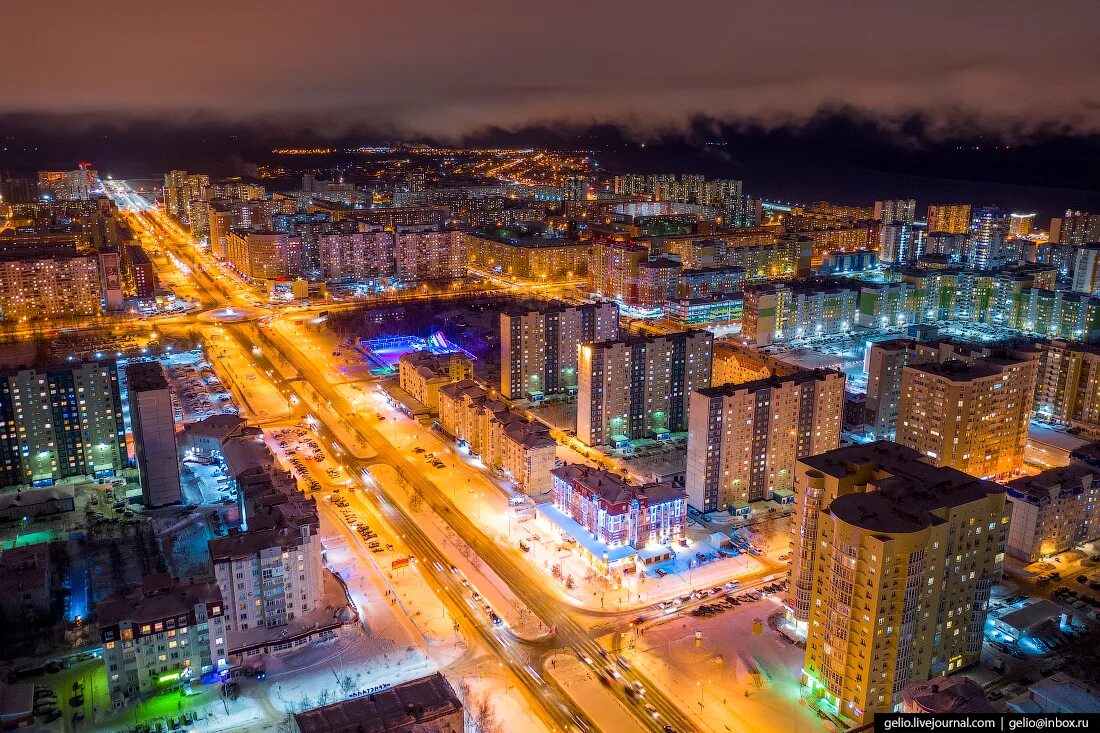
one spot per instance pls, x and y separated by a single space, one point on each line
530 435
613 488
219 427
25 568
632 339
1037 489
958 370
958 694
463 387
807 286
159 596
404 708
903 491
35 495
771 382
520 308
142 376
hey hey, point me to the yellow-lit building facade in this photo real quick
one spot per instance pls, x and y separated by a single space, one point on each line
894 560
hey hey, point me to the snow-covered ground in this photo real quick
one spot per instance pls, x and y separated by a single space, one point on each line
715 675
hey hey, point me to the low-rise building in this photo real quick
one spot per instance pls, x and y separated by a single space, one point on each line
165 632
520 449
616 512
425 705
422 373
27 580
957 694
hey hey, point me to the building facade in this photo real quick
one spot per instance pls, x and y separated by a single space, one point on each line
973 417
429 253
154 429
166 632
616 512
1053 511
61 422
639 386
422 373
540 344
521 450
893 563
744 439
50 286
358 257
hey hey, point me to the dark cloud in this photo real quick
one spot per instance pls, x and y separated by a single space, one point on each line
445 68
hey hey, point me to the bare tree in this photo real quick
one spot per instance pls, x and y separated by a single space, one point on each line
349 684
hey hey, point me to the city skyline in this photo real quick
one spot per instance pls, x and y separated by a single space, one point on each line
616 368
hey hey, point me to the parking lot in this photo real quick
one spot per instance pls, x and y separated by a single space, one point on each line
198 391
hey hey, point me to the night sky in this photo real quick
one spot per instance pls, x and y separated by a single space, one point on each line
799 90
445 68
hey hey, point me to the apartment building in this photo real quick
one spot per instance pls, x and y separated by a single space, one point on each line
744 439
522 450
422 373
949 218
639 386
357 257
616 512
154 429
540 344
1067 389
50 284
538 259
262 255
884 364
973 417
269 569
777 312
892 568
59 422
1053 511
429 253
163 633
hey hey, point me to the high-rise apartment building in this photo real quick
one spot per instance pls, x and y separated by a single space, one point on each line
896 211
166 632
76 185
1067 388
1076 227
639 386
1086 269
987 241
264 255
1020 225
891 573
776 312
973 417
182 191
429 253
1053 511
540 344
897 243
60 422
949 218
744 439
884 364
50 284
357 257
154 429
